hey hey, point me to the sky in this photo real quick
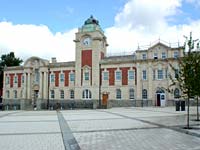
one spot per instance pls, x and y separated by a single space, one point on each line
46 28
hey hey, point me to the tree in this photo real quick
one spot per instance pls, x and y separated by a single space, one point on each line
188 73
8 60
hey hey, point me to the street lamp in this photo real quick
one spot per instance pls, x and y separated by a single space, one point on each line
48 87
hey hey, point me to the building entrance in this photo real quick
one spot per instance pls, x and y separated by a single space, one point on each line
160 98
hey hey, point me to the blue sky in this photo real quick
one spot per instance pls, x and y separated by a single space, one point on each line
46 28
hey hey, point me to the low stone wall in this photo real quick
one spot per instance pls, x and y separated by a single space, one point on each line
129 103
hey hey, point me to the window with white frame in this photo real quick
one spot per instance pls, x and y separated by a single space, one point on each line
7 80
160 74
166 73
163 55
52 94
86 94
105 75
62 94
176 93
87 76
37 76
52 78
62 77
15 79
154 74
176 73
71 94
118 75
155 56
118 94
7 94
144 75
15 93
72 76
131 93
144 56
22 78
176 54
144 94
131 75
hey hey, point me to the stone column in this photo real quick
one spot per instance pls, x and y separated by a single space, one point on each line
41 86
25 86
45 84
29 86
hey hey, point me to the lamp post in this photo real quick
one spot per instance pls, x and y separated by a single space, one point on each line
48 80
99 85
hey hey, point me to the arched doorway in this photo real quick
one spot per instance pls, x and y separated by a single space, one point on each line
160 97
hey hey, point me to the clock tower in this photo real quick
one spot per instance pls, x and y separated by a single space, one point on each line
90 49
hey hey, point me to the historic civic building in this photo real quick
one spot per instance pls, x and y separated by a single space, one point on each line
94 79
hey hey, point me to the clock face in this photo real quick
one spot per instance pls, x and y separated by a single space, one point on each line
86 41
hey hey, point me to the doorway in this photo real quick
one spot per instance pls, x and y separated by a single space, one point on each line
160 97
105 100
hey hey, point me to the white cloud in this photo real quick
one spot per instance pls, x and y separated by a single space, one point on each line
32 40
144 21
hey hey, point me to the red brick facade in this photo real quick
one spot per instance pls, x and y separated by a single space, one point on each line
86 58
112 75
19 76
11 79
56 78
66 72
125 75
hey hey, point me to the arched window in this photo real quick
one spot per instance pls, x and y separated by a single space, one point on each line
176 93
118 94
71 94
131 93
87 94
144 94
52 94
61 94
15 93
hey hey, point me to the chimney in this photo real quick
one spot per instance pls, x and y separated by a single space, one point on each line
53 60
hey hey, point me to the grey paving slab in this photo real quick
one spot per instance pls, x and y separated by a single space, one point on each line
151 139
32 142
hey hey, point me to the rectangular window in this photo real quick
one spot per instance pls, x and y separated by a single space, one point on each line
163 55
118 75
176 54
105 75
166 73
144 56
7 80
22 78
155 56
72 94
154 74
131 75
15 94
62 77
52 94
160 74
144 74
15 79
72 77
62 94
37 76
176 73
87 76
52 78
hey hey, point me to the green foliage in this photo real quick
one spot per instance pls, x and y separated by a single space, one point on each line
188 79
8 60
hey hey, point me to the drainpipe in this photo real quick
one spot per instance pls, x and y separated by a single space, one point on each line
99 85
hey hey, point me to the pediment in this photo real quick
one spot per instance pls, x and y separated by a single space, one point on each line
36 62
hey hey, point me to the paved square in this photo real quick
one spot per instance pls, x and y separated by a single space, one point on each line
132 128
